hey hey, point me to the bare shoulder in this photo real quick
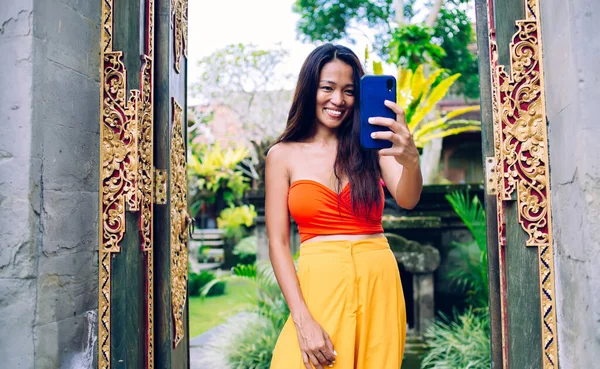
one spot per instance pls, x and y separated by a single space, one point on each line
281 152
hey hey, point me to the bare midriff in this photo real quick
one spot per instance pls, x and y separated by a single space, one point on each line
344 237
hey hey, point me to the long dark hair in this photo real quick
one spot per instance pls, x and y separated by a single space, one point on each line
361 166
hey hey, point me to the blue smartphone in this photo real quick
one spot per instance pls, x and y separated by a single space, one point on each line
374 90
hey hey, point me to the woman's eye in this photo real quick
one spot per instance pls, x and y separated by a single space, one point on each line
326 88
350 92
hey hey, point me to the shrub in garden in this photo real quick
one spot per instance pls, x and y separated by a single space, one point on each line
235 221
245 250
462 343
196 282
248 341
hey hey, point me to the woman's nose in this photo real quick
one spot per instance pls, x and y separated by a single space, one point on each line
337 98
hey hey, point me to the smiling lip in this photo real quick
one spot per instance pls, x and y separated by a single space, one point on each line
334 113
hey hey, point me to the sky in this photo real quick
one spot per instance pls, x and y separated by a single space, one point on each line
214 24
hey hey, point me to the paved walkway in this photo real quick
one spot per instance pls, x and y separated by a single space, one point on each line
202 356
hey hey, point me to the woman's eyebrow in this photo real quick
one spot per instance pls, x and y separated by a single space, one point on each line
333 83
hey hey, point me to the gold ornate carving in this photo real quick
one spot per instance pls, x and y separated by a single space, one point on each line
107 26
179 220
126 176
496 182
521 148
146 176
179 13
131 163
161 186
118 158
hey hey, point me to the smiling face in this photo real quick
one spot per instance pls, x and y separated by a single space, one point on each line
335 94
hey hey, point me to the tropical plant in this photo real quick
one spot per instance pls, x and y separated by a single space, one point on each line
454 33
473 278
213 171
259 158
248 341
322 20
197 281
462 343
412 46
235 222
418 95
246 250
233 219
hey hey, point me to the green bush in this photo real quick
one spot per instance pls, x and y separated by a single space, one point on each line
245 250
462 343
196 282
253 347
473 277
248 343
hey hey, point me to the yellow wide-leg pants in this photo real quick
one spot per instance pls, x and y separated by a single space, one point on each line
353 290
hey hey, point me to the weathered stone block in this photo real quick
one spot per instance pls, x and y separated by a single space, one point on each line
67 285
412 256
70 159
17 311
67 344
70 221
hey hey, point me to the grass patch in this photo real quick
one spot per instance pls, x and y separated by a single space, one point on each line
214 310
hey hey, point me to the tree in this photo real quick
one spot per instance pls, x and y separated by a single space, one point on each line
405 44
455 34
246 79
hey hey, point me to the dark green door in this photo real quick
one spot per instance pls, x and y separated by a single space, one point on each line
142 299
522 297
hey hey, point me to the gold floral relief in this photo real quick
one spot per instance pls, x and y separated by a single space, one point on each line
118 158
179 221
146 175
497 183
179 9
521 147
130 137
126 168
161 178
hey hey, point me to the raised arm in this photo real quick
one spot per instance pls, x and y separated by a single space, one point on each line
399 164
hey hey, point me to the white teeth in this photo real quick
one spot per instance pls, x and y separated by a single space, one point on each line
334 112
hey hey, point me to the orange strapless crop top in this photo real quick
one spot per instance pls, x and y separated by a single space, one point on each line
314 207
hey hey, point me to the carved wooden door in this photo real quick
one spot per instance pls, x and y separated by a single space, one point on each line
142 290
520 249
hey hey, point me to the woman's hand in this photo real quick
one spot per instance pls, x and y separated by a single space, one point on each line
315 344
403 147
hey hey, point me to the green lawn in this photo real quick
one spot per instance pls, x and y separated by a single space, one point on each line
212 311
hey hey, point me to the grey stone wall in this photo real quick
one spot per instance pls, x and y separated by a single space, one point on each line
49 107
17 200
571 41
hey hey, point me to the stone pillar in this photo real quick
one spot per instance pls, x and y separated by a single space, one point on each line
49 104
420 261
571 49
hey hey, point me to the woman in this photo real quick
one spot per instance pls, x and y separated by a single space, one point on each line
346 302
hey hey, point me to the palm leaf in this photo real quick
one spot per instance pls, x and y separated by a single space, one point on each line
445 133
434 97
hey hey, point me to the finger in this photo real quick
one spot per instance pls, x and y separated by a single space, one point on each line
395 108
328 355
314 361
381 121
400 114
306 361
322 359
330 352
387 135
389 152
